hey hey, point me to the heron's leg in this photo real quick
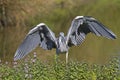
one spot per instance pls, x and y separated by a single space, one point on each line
66 57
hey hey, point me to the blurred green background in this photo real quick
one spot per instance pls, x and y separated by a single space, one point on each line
17 17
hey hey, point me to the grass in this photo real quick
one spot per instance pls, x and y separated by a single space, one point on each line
34 69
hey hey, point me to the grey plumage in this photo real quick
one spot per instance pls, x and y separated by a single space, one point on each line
82 25
40 35
43 36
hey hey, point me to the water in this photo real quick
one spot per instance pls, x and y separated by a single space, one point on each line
93 50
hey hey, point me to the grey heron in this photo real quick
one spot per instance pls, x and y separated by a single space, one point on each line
41 35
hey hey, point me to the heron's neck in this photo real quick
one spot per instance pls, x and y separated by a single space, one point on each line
61 39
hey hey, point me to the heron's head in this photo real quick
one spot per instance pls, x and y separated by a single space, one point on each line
61 34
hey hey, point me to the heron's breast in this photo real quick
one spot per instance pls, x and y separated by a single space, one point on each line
62 48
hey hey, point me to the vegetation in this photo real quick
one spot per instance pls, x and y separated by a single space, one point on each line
17 17
34 69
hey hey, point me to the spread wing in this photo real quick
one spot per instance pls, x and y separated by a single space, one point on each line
40 35
82 25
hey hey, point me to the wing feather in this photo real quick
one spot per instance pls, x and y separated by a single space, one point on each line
40 35
82 25
107 33
29 43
